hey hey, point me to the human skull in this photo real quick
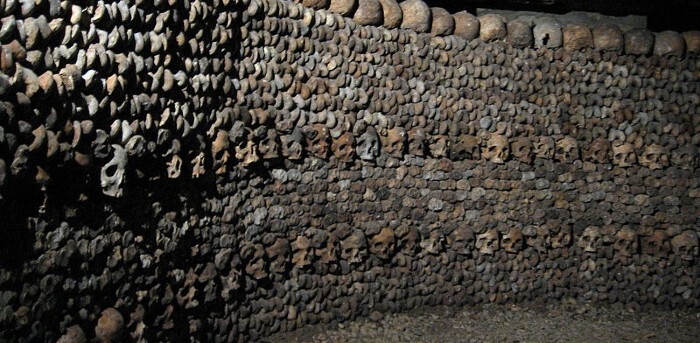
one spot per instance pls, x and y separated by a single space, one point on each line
544 147
512 242
417 141
439 146
343 147
657 244
302 252
219 152
598 151
269 146
113 173
197 164
626 242
497 149
326 250
434 243
278 254
246 151
685 157
409 239
383 244
462 240
537 237
591 239
522 149
354 247
174 167
465 147
292 147
487 242
562 238
317 138
394 142
368 146
685 245
623 154
254 255
654 157
567 150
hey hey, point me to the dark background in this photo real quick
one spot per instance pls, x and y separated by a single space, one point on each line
677 15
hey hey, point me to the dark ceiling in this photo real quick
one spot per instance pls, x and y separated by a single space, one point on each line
678 15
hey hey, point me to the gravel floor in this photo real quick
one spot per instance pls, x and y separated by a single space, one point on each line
569 323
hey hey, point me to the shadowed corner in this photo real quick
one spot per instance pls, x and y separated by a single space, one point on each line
16 224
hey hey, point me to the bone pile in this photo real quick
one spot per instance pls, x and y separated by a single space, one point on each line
227 169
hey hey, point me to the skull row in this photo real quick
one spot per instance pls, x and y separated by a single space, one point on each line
626 242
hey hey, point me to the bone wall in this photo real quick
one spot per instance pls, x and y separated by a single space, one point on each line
228 170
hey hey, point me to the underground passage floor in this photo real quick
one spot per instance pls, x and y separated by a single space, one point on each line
569 322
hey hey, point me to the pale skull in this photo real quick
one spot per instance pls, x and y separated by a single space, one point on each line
383 244
368 145
544 147
343 147
197 164
685 245
522 149
317 140
487 242
113 173
354 247
598 151
626 242
462 240
654 157
465 147
623 154
174 167
497 149
394 142
567 150
512 242
591 239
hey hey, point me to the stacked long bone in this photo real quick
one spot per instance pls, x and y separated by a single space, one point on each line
115 58
525 31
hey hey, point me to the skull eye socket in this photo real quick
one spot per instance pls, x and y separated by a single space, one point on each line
111 170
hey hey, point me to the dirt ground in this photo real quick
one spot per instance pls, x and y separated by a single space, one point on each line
568 322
